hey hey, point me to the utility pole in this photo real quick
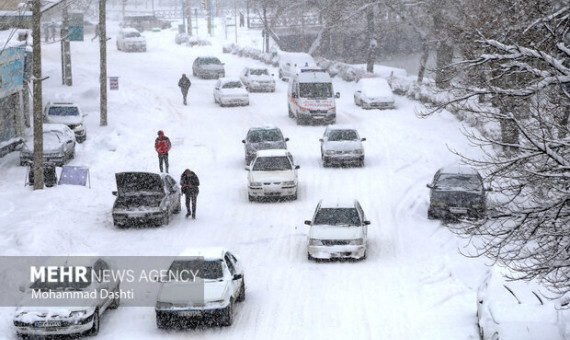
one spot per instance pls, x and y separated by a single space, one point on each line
37 105
103 60
65 48
188 10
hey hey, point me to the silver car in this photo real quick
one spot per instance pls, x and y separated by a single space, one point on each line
257 79
263 138
59 145
130 39
208 67
341 146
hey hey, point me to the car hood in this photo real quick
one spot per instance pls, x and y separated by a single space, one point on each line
272 176
370 94
178 292
139 182
343 145
331 232
29 311
212 67
268 145
234 92
135 40
49 147
263 78
67 120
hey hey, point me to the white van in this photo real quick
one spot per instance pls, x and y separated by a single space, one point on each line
310 97
290 63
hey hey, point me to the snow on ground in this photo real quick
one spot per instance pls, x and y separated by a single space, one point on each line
414 283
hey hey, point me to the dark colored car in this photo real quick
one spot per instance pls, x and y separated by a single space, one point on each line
263 138
457 192
145 198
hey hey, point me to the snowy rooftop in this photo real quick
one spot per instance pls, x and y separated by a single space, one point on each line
459 169
338 203
207 253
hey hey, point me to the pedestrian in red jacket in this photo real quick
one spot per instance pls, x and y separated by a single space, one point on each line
162 146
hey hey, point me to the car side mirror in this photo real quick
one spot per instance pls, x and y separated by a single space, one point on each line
429 186
321 140
363 139
294 95
237 276
114 193
337 95
308 222
366 222
297 167
286 139
247 168
243 141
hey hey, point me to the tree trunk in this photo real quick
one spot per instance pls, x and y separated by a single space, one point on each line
371 57
444 56
423 61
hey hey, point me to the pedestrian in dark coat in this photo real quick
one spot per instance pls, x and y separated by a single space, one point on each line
162 146
190 188
184 83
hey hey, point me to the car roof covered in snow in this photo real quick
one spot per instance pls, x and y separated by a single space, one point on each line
130 30
458 169
229 80
264 127
338 203
314 76
340 127
212 253
272 153
298 58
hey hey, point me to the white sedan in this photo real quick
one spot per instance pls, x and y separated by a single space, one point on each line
272 174
257 79
130 39
374 93
229 91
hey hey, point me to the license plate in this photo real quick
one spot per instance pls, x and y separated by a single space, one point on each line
45 324
458 210
190 313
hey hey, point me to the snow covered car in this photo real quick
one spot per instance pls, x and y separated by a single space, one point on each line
208 67
374 93
272 174
516 310
457 192
263 138
74 307
229 91
144 197
144 22
67 113
339 229
290 63
341 146
257 79
221 283
130 39
59 145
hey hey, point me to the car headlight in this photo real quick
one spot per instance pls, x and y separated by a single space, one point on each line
289 183
330 152
315 242
255 184
77 313
78 127
356 242
359 151
436 203
163 305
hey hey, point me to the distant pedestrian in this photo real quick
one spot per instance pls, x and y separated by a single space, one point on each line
97 33
52 27
162 146
190 188
184 83
241 19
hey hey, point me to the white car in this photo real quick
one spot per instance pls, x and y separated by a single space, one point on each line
59 145
208 300
339 229
257 79
516 310
230 91
67 113
78 311
291 63
341 146
130 39
374 93
272 174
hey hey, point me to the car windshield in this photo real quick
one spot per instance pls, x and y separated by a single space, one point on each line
210 61
259 72
339 135
63 111
132 35
259 136
337 216
232 85
66 282
205 269
277 163
459 182
315 90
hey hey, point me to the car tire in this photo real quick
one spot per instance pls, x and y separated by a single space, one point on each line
96 323
290 112
116 301
228 314
166 219
431 215
300 121
161 322
241 296
250 198
361 163
178 208
294 196
356 102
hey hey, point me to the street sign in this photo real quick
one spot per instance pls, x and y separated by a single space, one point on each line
114 83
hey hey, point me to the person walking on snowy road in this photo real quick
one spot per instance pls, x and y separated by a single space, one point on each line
184 83
189 182
162 146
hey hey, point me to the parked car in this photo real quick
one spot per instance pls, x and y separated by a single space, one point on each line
263 138
67 113
66 316
59 145
516 310
374 93
223 285
311 98
290 63
272 174
341 146
208 67
144 197
230 91
257 79
144 22
457 192
339 229
130 39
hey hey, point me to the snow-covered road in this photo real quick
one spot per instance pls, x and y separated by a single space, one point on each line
413 285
